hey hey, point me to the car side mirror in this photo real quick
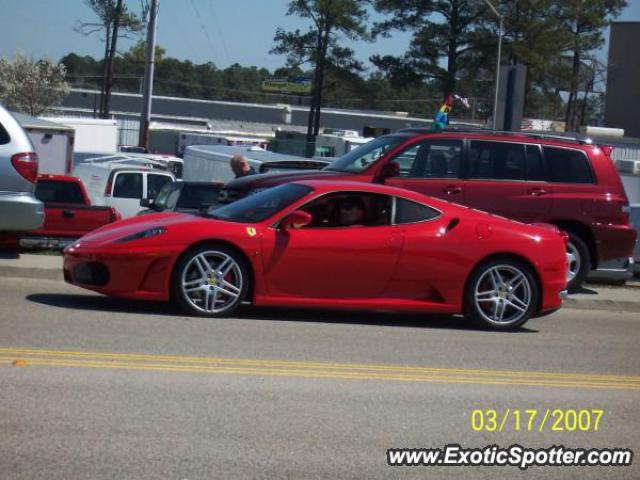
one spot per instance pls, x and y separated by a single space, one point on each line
147 202
296 219
389 170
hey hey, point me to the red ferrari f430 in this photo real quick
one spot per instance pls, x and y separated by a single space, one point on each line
330 245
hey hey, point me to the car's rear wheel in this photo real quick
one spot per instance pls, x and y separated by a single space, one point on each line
579 262
501 294
210 281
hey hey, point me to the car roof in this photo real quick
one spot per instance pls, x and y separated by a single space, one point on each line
479 133
343 185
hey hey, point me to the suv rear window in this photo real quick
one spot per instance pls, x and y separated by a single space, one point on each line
59 192
567 166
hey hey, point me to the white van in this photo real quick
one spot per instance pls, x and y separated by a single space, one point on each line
121 184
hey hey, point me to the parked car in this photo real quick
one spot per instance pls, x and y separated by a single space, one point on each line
327 245
121 182
289 165
68 213
567 182
186 197
20 210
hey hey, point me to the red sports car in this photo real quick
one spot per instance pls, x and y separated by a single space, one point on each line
330 244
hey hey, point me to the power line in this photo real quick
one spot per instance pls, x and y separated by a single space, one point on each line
202 26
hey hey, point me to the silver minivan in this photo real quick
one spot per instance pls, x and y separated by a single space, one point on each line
19 208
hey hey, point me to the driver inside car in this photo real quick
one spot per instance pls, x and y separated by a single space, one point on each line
352 211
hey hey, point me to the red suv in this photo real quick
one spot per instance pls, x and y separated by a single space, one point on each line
569 182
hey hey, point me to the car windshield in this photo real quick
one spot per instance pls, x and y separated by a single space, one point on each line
360 158
260 206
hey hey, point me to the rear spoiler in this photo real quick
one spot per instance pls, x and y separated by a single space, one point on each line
293 165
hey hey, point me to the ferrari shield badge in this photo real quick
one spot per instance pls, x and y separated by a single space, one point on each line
251 231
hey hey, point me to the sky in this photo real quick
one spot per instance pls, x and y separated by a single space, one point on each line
219 31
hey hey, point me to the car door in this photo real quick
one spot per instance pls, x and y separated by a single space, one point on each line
429 266
431 167
126 192
507 178
327 260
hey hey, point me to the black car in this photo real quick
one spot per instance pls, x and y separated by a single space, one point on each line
186 197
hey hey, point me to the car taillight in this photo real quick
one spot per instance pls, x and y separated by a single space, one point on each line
107 189
26 164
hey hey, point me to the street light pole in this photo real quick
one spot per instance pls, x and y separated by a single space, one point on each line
500 33
145 117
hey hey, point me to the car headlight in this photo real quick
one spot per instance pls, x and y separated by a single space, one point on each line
152 232
253 191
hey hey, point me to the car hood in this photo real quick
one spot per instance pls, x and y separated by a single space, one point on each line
264 180
114 231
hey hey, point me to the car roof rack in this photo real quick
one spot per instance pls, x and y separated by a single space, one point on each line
569 137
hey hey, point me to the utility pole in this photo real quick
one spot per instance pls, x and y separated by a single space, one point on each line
145 117
500 34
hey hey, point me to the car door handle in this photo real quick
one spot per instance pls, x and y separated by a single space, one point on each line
451 189
537 191
68 213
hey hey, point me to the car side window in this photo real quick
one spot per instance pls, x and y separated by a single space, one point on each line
349 209
535 168
431 159
567 166
496 160
408 211
4 136
155 183
128 185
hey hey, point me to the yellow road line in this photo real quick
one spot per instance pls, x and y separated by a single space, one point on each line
313 370
317 365
319 374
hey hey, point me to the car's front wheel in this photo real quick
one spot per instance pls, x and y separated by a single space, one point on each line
501 294
210 281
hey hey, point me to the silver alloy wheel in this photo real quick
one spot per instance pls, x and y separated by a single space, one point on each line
212 281
503 294
574 260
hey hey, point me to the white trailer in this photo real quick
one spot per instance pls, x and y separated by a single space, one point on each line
226 138
210 163
334 143
53 142
92 134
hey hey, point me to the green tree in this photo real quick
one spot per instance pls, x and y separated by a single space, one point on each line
114 20
444 32
319 46
584 22
32 87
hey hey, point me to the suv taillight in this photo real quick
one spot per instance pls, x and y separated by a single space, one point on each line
26 164
626 214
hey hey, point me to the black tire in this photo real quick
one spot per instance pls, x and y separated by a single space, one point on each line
578 246
479 312
206 288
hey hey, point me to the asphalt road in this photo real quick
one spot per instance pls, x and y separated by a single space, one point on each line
92 387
